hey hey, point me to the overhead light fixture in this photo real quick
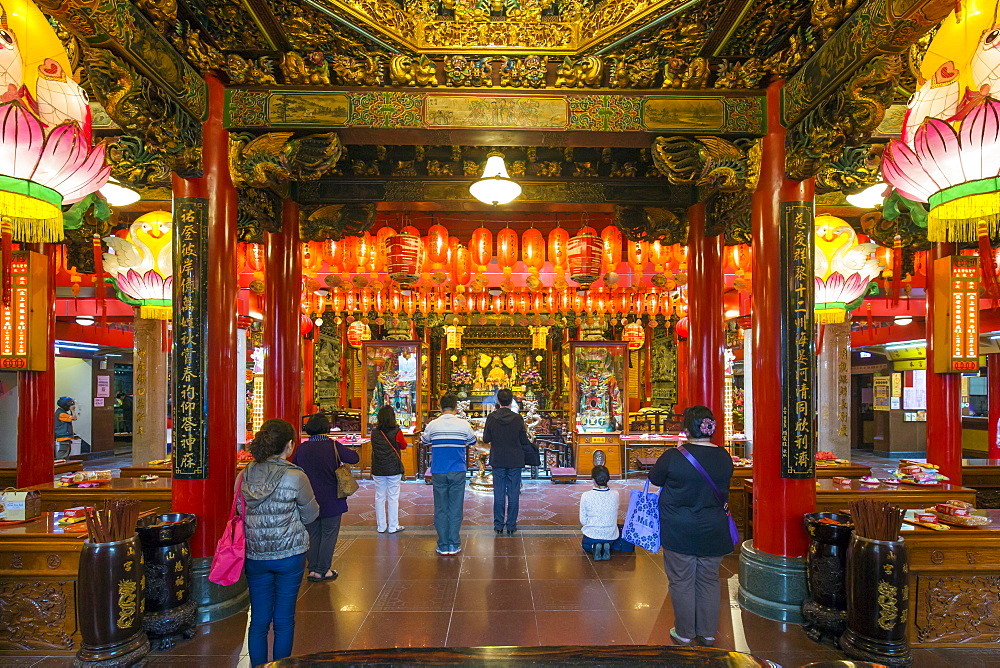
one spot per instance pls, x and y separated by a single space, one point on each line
495 186
732 313
902 320
85 320
119 195
906 344
77 345
869 198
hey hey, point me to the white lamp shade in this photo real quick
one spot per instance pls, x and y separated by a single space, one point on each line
118 195
869 198
495 186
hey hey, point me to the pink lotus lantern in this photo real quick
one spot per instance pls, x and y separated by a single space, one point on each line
46 155
947 156
141 267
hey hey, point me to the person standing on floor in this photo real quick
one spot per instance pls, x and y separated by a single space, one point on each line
388 443
508 441
694 526
449 436
279 505
65 417
319 457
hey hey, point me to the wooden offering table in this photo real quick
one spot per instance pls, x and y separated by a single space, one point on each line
738 503
641 448
834 498
39 563
983 475
162 470
953 585
152 494
8 470
587 444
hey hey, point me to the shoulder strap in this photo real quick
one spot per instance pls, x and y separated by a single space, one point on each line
392 446
733 531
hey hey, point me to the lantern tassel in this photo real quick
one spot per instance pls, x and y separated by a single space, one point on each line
6 258
897 270
987 267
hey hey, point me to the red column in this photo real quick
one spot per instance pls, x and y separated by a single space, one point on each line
209 498
282 292
993 395
308 379
780 502
706 364
683 400
36 398
944 412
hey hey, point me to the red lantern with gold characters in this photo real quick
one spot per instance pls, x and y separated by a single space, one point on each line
611 237
506 250
460 265
403 251
533 250
437 244
638 256
481 248
585 251
255 257
634 335
559 248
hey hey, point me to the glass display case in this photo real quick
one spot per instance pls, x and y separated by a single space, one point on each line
598 383
391 370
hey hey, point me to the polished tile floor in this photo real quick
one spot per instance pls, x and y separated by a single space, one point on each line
535 588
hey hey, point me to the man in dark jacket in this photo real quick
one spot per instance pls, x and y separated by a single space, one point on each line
509 444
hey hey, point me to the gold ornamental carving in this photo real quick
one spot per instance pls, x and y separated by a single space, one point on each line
579 73
701 161
408 71
272 159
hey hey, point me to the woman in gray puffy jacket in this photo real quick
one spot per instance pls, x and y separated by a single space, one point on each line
280 502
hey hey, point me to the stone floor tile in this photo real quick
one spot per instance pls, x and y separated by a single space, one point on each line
495 628
494 596
403 629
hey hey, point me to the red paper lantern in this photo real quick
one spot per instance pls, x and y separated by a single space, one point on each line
255 257
410 229
337 301
537 302
403 256
379 298
611 237
623 302
365 302
305 324
481 248
659 254
533 250
585 252
634 335
332 253
357 332
312 260
409 304
437 244
507 249
559 247
349 255
652 303
364 249
666 304
638 256
682 328
552 301
395 302
460 265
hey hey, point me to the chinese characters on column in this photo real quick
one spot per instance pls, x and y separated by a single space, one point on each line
798 345
190 338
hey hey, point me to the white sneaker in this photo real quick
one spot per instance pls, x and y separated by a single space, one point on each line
381 530
397 530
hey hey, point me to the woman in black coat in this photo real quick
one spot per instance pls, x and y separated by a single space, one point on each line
388 443
694 527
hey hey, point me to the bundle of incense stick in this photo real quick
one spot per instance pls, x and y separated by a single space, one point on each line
115 522
876 520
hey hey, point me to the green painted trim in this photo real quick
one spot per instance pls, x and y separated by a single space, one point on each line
980 187
31 189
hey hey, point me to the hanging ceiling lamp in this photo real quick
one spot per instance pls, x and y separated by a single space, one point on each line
951 133
495 186
46 155
119 195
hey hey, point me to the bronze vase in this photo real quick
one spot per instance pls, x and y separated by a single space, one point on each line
825 609
170 612
877 602
110 605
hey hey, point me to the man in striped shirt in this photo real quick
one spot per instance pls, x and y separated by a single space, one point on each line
448 435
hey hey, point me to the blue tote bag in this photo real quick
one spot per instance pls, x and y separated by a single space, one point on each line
642 523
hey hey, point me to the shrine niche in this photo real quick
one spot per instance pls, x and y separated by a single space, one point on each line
663 369
390 374
598 378
327 374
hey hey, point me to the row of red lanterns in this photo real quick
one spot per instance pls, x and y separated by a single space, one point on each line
406 256
620 302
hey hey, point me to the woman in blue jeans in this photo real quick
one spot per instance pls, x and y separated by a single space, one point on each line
280 503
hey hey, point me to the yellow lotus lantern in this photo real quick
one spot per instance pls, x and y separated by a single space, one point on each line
141 267
843 269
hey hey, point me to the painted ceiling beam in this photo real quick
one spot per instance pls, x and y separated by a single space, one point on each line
399 112
118 26
877 27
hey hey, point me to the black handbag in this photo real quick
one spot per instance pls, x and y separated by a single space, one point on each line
532 456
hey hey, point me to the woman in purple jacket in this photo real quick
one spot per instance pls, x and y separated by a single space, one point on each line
319 457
